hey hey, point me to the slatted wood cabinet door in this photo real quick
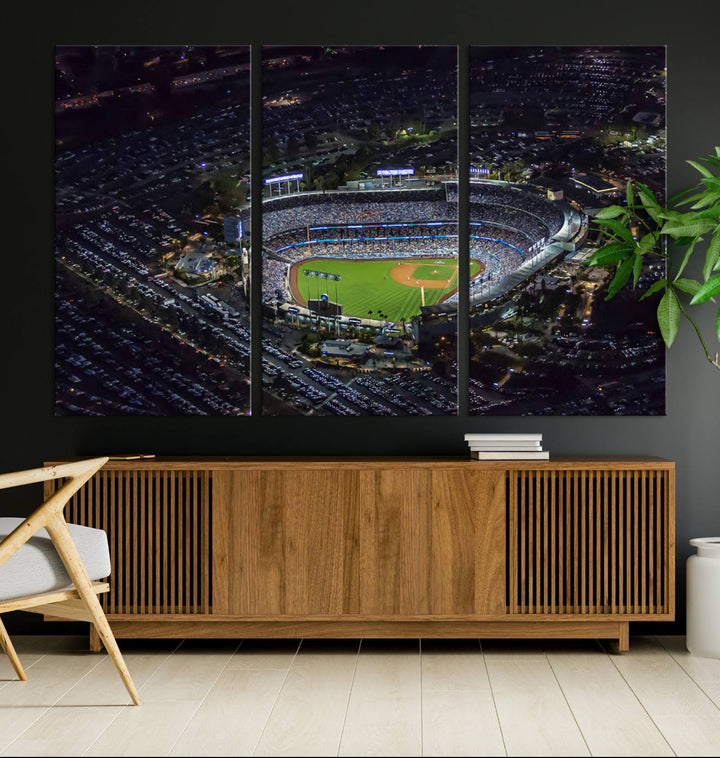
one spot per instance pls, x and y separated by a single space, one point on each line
366 542
159 525
591 541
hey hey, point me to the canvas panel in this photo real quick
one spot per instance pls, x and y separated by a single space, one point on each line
152 259
556 134
360 259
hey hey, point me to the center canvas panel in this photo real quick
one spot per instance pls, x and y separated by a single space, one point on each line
359 230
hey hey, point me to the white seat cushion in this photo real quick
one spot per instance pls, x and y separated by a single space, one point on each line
36 567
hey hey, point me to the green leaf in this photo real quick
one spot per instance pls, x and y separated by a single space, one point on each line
621 276
682 241
708 290
702 199
637 267
687 285
699 167
618 229
709 214
717 325
629 194
610 254
668 316
687 229
685 260
612 211
670 215
647 243
682 194
713 255
650 203
708 198
711 182
654 287
717 150
691 199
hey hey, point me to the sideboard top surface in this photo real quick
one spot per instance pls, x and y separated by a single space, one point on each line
379 462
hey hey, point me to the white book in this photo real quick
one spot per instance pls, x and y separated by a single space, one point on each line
515 443
543 455
504 437
532 447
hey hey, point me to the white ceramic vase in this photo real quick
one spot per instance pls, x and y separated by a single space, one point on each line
703 598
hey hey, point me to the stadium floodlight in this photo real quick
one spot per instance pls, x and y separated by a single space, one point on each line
284 178
395 172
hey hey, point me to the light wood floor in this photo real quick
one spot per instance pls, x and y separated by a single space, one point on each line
349 698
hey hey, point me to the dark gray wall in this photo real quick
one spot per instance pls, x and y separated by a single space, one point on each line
689 434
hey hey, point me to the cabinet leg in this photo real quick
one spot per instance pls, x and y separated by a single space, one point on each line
624 638
622 643
95 643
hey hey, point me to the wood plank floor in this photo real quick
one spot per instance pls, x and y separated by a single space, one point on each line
347 697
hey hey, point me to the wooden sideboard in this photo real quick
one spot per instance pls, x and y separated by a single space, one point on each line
384 547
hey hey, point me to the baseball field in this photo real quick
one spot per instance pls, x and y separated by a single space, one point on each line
384 288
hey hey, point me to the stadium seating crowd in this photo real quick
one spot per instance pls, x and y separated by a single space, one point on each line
508 226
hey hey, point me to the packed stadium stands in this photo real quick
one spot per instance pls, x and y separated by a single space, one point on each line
509 225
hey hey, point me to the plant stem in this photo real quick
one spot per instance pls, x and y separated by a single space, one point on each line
644 223
714 361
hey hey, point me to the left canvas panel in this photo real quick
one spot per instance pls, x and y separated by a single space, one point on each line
152 209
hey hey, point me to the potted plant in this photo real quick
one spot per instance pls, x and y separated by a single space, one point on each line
641 228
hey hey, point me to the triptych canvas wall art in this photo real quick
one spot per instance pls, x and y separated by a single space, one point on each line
360 250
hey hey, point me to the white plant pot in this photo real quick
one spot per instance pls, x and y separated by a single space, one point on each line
703 598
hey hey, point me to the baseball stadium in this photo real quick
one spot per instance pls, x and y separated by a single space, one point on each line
385 255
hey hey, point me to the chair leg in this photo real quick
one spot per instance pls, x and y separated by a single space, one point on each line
70 557
95 643
7 646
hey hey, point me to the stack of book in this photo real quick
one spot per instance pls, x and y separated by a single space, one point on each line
506 447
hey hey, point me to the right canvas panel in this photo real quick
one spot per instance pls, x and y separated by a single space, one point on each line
556 134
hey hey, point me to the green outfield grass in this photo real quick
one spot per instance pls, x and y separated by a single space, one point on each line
367 288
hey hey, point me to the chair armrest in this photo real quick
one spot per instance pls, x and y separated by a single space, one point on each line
77 473
62 471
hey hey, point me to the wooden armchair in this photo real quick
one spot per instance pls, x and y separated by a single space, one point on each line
48 566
